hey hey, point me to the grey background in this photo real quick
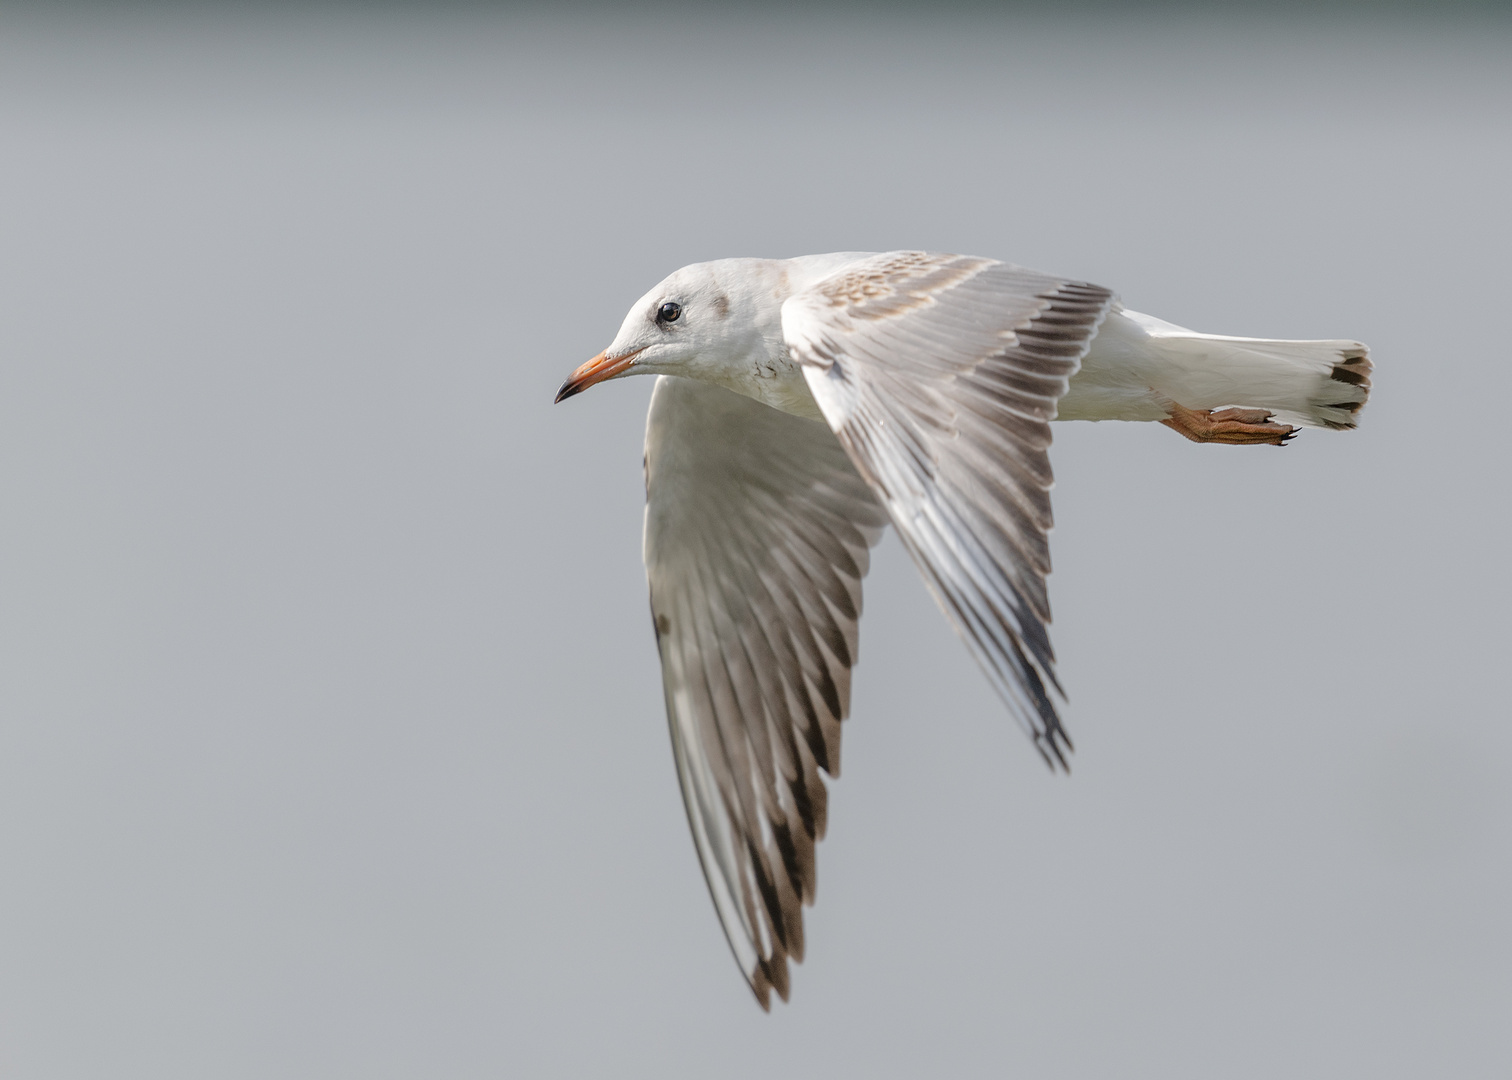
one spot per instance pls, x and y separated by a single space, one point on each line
331 736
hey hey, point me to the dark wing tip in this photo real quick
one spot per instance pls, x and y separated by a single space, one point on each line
769 974
1055 746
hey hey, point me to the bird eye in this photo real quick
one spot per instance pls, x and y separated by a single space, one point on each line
668 312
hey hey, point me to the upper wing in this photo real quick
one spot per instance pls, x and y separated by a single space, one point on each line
940 374
757 537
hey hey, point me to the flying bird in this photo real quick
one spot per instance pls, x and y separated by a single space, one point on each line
802 406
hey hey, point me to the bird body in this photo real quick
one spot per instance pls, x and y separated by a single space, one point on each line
1134 366
808 403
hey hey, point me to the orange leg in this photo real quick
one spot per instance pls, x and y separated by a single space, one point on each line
1239 426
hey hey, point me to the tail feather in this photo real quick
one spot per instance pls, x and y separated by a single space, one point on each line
1337 406
1310 383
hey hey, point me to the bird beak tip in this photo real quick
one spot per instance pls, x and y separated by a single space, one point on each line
601 367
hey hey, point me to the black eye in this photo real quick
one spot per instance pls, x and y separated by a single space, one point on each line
668 312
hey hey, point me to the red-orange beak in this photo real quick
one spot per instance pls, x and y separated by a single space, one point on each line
601 367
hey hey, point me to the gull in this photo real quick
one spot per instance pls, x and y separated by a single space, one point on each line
802 406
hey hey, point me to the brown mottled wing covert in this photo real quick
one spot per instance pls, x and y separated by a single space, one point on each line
940 374
757 538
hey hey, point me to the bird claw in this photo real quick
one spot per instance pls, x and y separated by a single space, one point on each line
1237 426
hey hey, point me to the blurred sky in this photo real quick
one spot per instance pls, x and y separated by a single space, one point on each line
331 735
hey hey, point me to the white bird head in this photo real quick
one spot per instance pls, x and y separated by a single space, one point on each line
706 321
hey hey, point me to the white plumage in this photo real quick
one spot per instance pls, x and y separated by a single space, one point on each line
807 403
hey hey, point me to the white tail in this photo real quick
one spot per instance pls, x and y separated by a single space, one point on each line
1312 383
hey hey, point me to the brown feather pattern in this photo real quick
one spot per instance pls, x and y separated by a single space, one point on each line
940 374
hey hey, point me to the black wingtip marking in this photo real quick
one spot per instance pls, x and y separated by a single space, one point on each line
1054 745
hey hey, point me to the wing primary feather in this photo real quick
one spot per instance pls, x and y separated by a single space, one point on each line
757 530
